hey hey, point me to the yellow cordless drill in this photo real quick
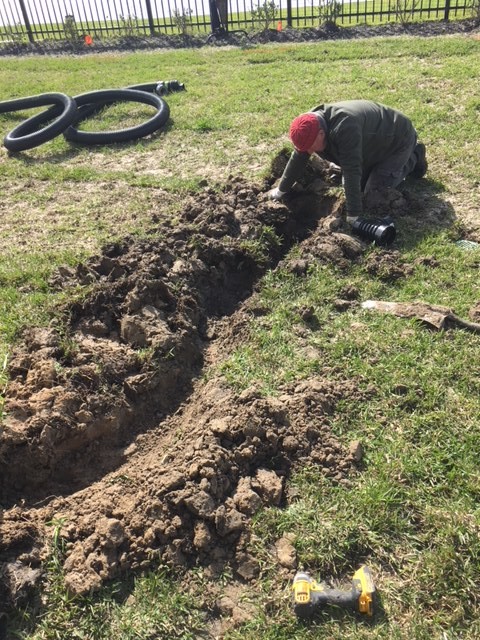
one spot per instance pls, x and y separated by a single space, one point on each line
310 595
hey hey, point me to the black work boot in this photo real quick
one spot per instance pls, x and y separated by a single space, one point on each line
421 167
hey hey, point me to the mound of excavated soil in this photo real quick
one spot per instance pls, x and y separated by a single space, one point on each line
111 432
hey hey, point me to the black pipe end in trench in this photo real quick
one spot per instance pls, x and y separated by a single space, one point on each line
382 232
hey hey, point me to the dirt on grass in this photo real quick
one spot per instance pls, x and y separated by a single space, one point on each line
115 442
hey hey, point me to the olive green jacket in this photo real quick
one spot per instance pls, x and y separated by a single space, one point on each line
360 134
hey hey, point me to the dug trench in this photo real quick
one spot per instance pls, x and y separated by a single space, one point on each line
113 436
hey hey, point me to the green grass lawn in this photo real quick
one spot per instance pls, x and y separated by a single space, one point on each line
413 513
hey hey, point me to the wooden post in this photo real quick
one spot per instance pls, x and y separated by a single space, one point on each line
289 13
446 14
26 20
150 17
222 9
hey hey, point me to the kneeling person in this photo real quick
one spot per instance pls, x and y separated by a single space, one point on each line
375 146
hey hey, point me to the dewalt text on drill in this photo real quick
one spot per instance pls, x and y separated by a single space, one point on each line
310 596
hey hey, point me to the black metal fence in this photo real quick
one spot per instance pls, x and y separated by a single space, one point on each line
32 20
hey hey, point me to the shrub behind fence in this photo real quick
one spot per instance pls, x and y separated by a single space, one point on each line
34 20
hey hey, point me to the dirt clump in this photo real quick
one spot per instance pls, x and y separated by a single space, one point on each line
388 266
112 437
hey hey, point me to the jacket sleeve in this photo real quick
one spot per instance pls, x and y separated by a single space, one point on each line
294 170
350 159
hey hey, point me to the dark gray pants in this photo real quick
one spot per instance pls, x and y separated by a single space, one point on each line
391 171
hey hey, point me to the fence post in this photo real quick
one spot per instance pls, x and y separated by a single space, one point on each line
215 23
289 13
26 20
446 14
222 9
150 17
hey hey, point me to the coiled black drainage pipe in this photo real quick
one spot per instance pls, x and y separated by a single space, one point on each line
89 103
26 135
67 112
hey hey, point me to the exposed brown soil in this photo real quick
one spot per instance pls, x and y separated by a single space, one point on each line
111 430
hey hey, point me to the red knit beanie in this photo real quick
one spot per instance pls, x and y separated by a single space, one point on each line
303 131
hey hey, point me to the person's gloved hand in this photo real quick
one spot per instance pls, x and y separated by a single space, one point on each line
334 172
334 168
350 220
275 194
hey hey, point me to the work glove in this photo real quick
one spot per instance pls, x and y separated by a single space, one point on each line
334 168
334 173
275 194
